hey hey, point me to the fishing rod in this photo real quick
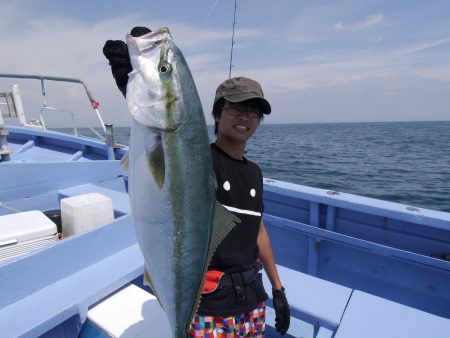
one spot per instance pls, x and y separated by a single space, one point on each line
232 39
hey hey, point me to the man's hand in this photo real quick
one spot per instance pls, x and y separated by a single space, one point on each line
116 52
282 311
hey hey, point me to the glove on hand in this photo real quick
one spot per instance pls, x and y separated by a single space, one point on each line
282 311
116 52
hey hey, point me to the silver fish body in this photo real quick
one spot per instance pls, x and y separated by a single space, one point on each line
171 181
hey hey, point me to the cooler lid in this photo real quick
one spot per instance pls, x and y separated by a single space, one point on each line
25 226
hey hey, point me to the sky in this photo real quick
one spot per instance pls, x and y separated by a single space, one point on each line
317 61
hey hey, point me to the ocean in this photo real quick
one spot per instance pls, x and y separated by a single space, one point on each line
405 162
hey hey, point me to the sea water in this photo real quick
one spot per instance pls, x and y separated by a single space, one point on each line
404 162
407 163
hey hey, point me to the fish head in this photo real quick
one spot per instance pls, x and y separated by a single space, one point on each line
154 89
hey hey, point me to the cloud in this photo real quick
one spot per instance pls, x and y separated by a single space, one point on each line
315 56
355 26
72 48
440 73
193 37
338 26
372 20
67 48
422 46
388 97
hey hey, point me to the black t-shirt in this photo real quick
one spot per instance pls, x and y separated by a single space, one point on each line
239 189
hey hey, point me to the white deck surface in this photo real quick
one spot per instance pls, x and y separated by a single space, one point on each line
131 312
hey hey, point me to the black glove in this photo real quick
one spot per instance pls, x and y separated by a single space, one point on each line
282 311
116 52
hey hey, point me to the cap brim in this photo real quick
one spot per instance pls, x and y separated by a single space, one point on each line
262 102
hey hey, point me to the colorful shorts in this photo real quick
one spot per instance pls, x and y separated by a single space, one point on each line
251 324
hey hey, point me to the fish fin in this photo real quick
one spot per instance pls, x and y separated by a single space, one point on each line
148 282
125 161
155 160
224 221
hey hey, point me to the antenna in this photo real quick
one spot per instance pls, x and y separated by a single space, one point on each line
232 39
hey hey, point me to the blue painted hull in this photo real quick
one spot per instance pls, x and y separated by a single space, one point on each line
386 249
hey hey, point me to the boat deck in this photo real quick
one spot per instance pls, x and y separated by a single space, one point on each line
110 256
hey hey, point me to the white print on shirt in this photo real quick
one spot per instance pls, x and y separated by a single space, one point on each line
242 211
227 187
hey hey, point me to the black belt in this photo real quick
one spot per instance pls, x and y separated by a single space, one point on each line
239 280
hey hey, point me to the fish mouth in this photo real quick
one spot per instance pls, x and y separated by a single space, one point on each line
150 40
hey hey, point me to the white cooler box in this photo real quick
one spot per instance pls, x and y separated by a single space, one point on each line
84 212
25 232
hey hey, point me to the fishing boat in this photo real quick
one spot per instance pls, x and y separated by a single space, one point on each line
70 266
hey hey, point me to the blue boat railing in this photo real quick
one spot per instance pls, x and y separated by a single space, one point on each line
15 109
46 108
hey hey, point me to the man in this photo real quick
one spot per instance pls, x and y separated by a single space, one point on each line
233 301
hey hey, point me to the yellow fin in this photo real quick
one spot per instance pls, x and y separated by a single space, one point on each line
155 160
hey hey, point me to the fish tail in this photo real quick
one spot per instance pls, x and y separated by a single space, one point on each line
148 282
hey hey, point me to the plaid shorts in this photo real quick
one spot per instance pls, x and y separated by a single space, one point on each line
251 324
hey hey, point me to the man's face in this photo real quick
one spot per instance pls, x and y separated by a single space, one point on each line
238 121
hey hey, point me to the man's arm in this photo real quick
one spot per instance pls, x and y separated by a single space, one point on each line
266 257
280 303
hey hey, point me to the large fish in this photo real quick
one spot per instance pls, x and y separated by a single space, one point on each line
177 221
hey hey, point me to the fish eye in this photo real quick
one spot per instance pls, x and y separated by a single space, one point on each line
164 68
